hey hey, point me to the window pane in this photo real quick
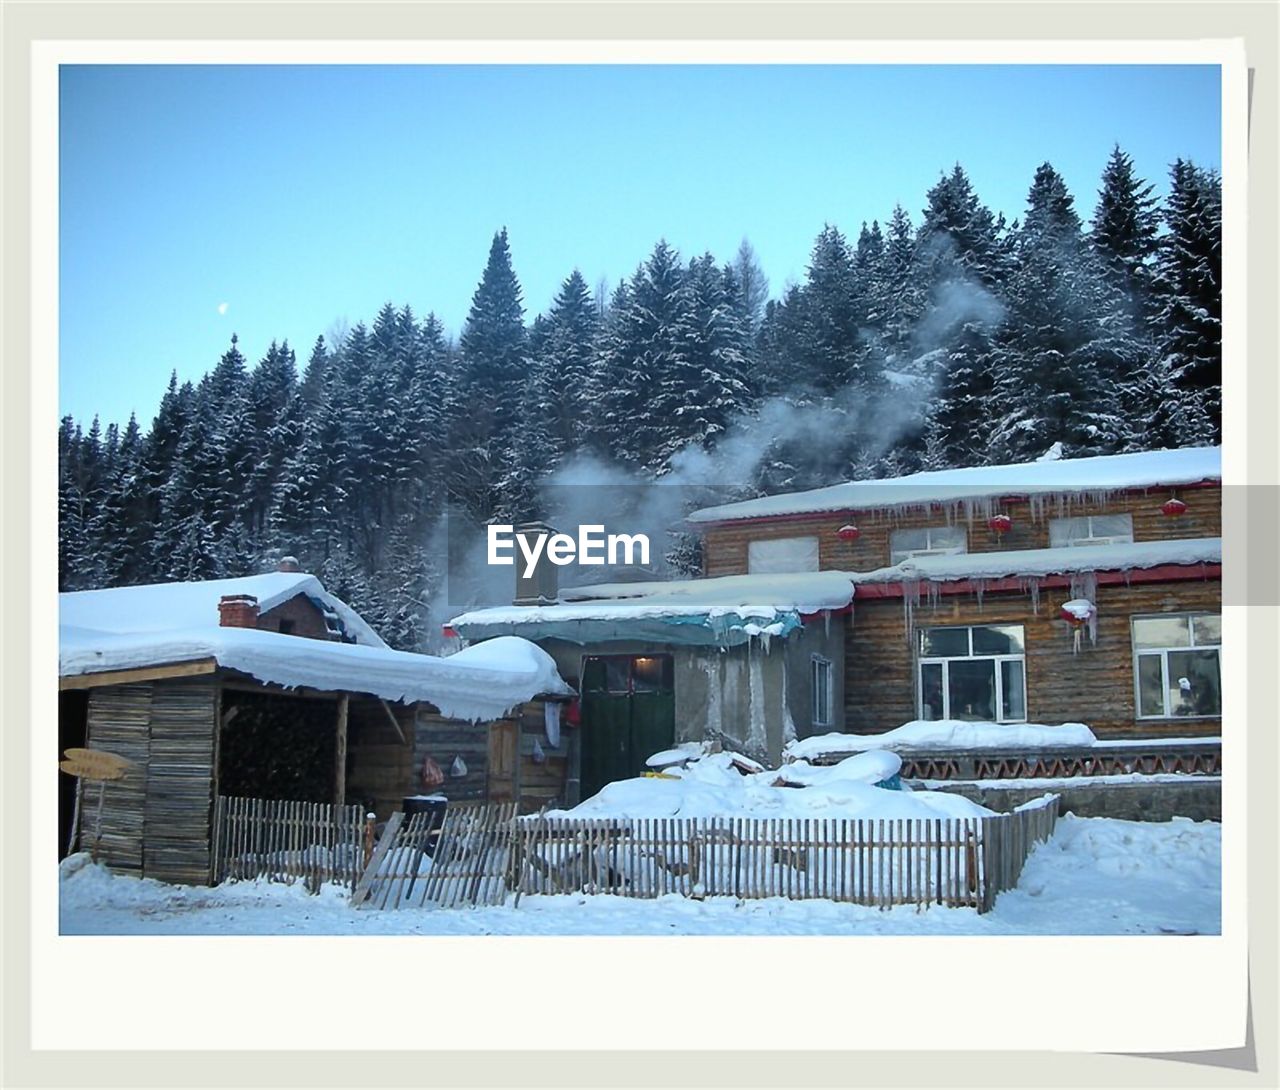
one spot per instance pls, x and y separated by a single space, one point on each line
1113 526
948 537
1012 689
939 642
1161 632
1207 629
998 639
1150 686
1194 685
821 692
593 675
786 554
616 672
972 689
931 691
651 674
1065 531
901 541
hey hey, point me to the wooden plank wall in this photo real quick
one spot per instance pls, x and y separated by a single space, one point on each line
542 783
156 821
119 721
1093 687
180 781
724 549
381 769
444 739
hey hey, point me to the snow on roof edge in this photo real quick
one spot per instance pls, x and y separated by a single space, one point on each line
1111 472
470 685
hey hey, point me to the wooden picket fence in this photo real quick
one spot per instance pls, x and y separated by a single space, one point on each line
287 841
482 853
463 860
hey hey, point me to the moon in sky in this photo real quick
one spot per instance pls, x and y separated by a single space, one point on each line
222 308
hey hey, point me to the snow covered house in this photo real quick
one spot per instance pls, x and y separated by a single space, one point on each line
1063 590
270 687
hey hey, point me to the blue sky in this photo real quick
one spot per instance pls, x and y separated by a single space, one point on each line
278 201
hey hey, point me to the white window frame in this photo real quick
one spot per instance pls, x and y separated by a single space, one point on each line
818 668
1163 653
897 556
1091 538
997 660
811 545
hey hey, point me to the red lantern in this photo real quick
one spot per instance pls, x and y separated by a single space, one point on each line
1001 524
448 632
848 533
1173 507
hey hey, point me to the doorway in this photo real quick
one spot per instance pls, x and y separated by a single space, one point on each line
628 714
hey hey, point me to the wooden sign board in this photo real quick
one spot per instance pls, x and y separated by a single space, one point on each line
95 764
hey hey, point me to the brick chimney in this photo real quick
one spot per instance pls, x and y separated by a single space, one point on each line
238 611
289 563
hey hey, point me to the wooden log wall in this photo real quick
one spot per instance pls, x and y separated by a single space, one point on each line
1095 687
724 549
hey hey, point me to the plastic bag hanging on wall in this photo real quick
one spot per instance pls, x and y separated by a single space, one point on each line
551 718
432 774
459 768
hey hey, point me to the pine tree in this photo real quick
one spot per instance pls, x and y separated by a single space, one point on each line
643 351
484 400
1124 233
1052 375
753 286
1188 299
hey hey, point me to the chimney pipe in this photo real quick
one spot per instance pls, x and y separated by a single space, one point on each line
543 586
238 611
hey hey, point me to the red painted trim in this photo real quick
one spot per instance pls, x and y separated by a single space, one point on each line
806 617
1165 573
854 512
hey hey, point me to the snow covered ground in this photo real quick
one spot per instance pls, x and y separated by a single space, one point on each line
1096 876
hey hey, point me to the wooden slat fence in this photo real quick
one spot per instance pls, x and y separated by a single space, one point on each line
484 852
287 841
466 859
1007 840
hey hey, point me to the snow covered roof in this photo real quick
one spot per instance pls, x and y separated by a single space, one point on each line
168 624
1031 563
1064 476
158 607
724 611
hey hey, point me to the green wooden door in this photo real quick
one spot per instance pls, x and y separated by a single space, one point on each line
628 714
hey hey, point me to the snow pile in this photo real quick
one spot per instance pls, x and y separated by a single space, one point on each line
165 607
1052 477
940 734
874 766
712 787
1079 608
478 684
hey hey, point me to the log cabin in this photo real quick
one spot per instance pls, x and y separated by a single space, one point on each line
269 687
1068 590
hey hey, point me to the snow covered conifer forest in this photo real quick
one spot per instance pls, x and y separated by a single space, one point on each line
951 338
